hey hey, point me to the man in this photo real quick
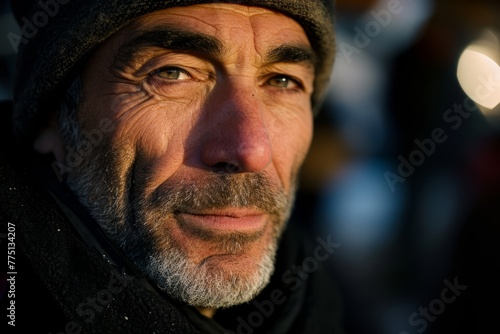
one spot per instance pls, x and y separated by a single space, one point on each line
166 139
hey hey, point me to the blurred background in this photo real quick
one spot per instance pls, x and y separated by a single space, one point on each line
404 169
8 25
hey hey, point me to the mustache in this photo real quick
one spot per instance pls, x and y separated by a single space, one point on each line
218 191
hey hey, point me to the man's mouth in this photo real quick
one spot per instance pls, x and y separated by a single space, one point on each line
228 220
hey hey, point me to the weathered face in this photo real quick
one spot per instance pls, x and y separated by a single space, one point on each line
211 121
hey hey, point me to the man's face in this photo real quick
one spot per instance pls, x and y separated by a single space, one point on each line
211 114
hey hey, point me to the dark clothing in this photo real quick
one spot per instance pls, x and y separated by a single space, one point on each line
70 279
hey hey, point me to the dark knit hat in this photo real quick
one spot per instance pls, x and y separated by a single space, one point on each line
57 36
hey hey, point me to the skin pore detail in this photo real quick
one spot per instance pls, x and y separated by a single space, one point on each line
211 125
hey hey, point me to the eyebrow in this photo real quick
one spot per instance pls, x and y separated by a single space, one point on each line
198 43
171 39
292 54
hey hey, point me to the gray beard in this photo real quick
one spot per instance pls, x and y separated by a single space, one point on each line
134 223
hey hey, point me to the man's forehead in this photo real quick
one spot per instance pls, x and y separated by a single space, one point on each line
237 8
214 9
213 17
194 29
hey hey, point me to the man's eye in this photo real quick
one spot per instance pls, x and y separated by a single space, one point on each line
283 81
172 73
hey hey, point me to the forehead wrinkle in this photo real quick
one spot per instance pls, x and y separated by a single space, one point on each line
245 9
284 52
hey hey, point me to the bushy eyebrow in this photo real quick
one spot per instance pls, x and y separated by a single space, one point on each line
292 54
170 39
176 39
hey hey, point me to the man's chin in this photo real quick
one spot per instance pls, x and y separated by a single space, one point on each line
229 266
217 281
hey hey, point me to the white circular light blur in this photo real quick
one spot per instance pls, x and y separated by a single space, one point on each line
479 74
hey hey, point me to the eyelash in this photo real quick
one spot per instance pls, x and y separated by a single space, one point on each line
169 68
299 86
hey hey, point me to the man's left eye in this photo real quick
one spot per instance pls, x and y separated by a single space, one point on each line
283 81
172 73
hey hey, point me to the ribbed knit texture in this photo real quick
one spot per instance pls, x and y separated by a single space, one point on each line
52 56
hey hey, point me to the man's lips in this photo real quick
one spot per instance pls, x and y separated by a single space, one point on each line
226 220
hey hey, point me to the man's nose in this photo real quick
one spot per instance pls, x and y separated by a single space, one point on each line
238 140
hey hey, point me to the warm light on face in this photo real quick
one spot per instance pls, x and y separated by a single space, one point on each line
479 71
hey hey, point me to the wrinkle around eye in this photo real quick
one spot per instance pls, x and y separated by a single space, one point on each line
130 105
174 89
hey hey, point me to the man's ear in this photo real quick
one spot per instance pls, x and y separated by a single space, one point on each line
49 141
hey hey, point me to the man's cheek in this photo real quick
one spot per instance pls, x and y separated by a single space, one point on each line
292 137
286 165
133 124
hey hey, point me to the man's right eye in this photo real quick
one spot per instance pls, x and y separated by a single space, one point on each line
172 73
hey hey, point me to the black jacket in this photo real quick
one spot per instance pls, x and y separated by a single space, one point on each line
65 277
